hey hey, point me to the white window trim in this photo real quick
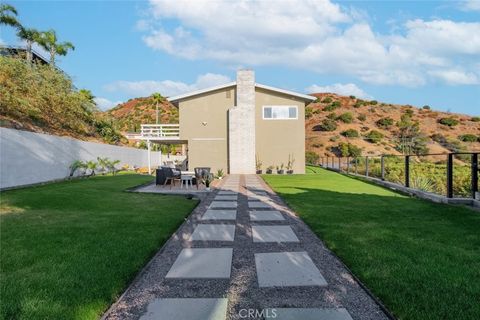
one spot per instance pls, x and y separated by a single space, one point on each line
283 106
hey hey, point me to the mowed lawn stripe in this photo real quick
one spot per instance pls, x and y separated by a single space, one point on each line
69 249
420 258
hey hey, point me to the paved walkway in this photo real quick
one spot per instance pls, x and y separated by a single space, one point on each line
243 254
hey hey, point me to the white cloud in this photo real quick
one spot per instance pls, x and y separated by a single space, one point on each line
166 87
105 104
346 89
315 35
470 5
456 77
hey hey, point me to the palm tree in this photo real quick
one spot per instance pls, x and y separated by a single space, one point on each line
49 42
29 36
157 98
8 16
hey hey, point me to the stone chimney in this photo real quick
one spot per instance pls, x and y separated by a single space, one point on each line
241 125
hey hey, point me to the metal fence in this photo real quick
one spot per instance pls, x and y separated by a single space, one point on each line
454 175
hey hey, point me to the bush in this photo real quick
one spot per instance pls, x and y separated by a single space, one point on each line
349 150
350 133
450 121
311 157
468 138
334 105
353 97
409 112
308 112
437 137
374 102
374 136
426 107
327 100
362 117
346 117
475 119
332 116
385 123
326 125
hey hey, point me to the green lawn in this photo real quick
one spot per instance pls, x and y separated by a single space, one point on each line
69 249
421 259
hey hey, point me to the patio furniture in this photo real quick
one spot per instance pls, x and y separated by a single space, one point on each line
171 176
201 173
186 179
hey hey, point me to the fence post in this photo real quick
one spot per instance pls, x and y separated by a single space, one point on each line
348 165
450 175
474 174
340 164
366 166
407 171
382 163
356 165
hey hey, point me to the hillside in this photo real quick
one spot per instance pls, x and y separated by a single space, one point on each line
365 116
333 119
128 116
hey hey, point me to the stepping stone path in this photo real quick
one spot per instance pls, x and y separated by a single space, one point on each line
243 254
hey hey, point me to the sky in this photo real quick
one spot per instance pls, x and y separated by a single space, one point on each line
406 52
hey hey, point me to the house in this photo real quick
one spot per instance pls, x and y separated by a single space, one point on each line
235 125
11 51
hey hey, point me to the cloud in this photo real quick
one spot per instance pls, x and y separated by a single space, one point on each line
105 104
313 35
456 77
346 89
470 5
166 87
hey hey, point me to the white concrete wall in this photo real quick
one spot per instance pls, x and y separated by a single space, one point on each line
241 126
27 157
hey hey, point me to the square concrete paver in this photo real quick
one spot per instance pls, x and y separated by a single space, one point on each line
309 314
227 193
219 214
223 204
273 234
258 205
287 269
186 309
213 232
226 198
206 263
270 215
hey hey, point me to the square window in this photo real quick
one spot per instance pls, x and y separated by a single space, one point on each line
267 113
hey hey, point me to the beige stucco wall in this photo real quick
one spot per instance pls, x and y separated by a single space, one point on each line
276 139
203 122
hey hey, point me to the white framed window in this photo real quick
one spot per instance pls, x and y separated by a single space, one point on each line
280 112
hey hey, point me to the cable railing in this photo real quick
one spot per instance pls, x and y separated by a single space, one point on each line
454 175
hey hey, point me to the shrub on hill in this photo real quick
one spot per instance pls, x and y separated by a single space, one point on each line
362 117
374 102
334 105
426 107
327 100
449 121
374 136
326 125
346 117
475 119
468 138
332 116
311 157
350 133
384 123
347 150
308 112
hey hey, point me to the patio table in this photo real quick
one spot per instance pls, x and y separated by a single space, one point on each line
187 179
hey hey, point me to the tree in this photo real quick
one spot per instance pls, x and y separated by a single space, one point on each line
157 98
49 41
410 139
30 36
87 94
8 16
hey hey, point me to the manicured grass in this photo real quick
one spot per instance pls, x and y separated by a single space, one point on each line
69 249
421 259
